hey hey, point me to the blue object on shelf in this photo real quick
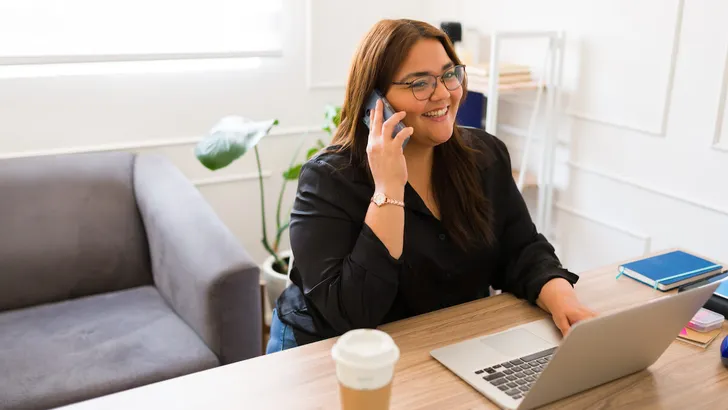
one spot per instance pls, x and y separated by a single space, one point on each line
724 351
471 111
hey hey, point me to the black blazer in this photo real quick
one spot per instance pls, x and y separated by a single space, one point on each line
344 277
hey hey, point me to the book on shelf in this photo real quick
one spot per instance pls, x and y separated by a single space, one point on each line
483 86
504 69
511 77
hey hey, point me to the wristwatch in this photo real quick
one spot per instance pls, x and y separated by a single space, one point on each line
380 199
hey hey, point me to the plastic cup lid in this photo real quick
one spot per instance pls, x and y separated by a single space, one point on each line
365 348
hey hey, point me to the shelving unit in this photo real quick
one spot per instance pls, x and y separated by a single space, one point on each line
548 85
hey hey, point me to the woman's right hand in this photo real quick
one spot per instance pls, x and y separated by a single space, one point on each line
385 154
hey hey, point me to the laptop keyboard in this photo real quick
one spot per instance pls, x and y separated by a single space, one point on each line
515 377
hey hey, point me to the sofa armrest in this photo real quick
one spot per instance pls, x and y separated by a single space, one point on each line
199 267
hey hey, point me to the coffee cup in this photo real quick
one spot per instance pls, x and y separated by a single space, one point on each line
365 360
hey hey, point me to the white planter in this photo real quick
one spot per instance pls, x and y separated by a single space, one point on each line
275 282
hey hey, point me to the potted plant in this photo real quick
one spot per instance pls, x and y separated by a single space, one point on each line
231 138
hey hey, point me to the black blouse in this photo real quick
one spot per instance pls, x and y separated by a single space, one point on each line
344 277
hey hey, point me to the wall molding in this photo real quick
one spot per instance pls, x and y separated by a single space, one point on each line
677 30
226 179
519 132
639 185
148 144
720 117
646 239
309 58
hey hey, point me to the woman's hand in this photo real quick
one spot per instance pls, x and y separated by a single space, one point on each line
558 298
385 154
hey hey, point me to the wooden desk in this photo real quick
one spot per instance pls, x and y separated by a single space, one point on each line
685 376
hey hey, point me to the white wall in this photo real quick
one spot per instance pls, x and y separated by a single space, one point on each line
167 111
644 129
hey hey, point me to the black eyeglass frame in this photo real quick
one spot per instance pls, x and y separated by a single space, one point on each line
437 77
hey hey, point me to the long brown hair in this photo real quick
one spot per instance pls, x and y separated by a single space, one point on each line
465 212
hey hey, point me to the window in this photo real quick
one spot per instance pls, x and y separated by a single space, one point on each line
73 31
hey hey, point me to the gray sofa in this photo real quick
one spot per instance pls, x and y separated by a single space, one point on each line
114 273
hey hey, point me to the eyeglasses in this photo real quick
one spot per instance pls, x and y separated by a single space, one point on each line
424 87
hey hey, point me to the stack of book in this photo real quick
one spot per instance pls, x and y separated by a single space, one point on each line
683 270
670 270
510 77
702 329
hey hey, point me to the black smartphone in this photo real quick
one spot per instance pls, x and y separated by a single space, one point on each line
371 104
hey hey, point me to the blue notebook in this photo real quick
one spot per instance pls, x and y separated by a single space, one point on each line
669 270
722 290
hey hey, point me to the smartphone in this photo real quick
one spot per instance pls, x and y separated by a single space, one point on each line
371 104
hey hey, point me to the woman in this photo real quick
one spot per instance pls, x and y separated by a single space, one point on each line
452 222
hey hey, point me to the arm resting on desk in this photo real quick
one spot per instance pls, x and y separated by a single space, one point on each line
528 260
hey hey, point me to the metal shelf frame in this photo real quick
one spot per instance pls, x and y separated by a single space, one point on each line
550 85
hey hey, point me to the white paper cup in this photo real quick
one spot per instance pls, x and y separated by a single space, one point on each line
365 360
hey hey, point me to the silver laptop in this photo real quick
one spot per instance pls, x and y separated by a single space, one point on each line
530 365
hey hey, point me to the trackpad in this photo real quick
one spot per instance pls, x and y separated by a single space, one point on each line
516 342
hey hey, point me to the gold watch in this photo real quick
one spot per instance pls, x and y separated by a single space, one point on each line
380 199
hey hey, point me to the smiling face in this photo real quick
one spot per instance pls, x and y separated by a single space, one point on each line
433 119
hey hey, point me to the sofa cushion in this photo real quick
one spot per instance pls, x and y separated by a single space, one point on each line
55 354
70 223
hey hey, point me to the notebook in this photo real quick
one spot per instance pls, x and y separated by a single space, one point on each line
718 302
701 339
669 270
722 290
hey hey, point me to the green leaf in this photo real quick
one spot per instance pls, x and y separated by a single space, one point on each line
337 117
315 149
292 173
332 114
311 152
230 139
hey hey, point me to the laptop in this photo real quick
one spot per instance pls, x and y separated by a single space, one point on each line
530 365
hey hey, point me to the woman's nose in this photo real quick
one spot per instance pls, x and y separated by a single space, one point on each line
441 92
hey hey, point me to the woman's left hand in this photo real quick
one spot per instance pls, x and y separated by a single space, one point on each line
559 298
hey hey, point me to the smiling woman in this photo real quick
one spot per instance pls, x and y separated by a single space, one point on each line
380 232
412 85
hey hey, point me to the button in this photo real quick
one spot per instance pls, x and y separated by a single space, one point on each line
442 237
493 376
